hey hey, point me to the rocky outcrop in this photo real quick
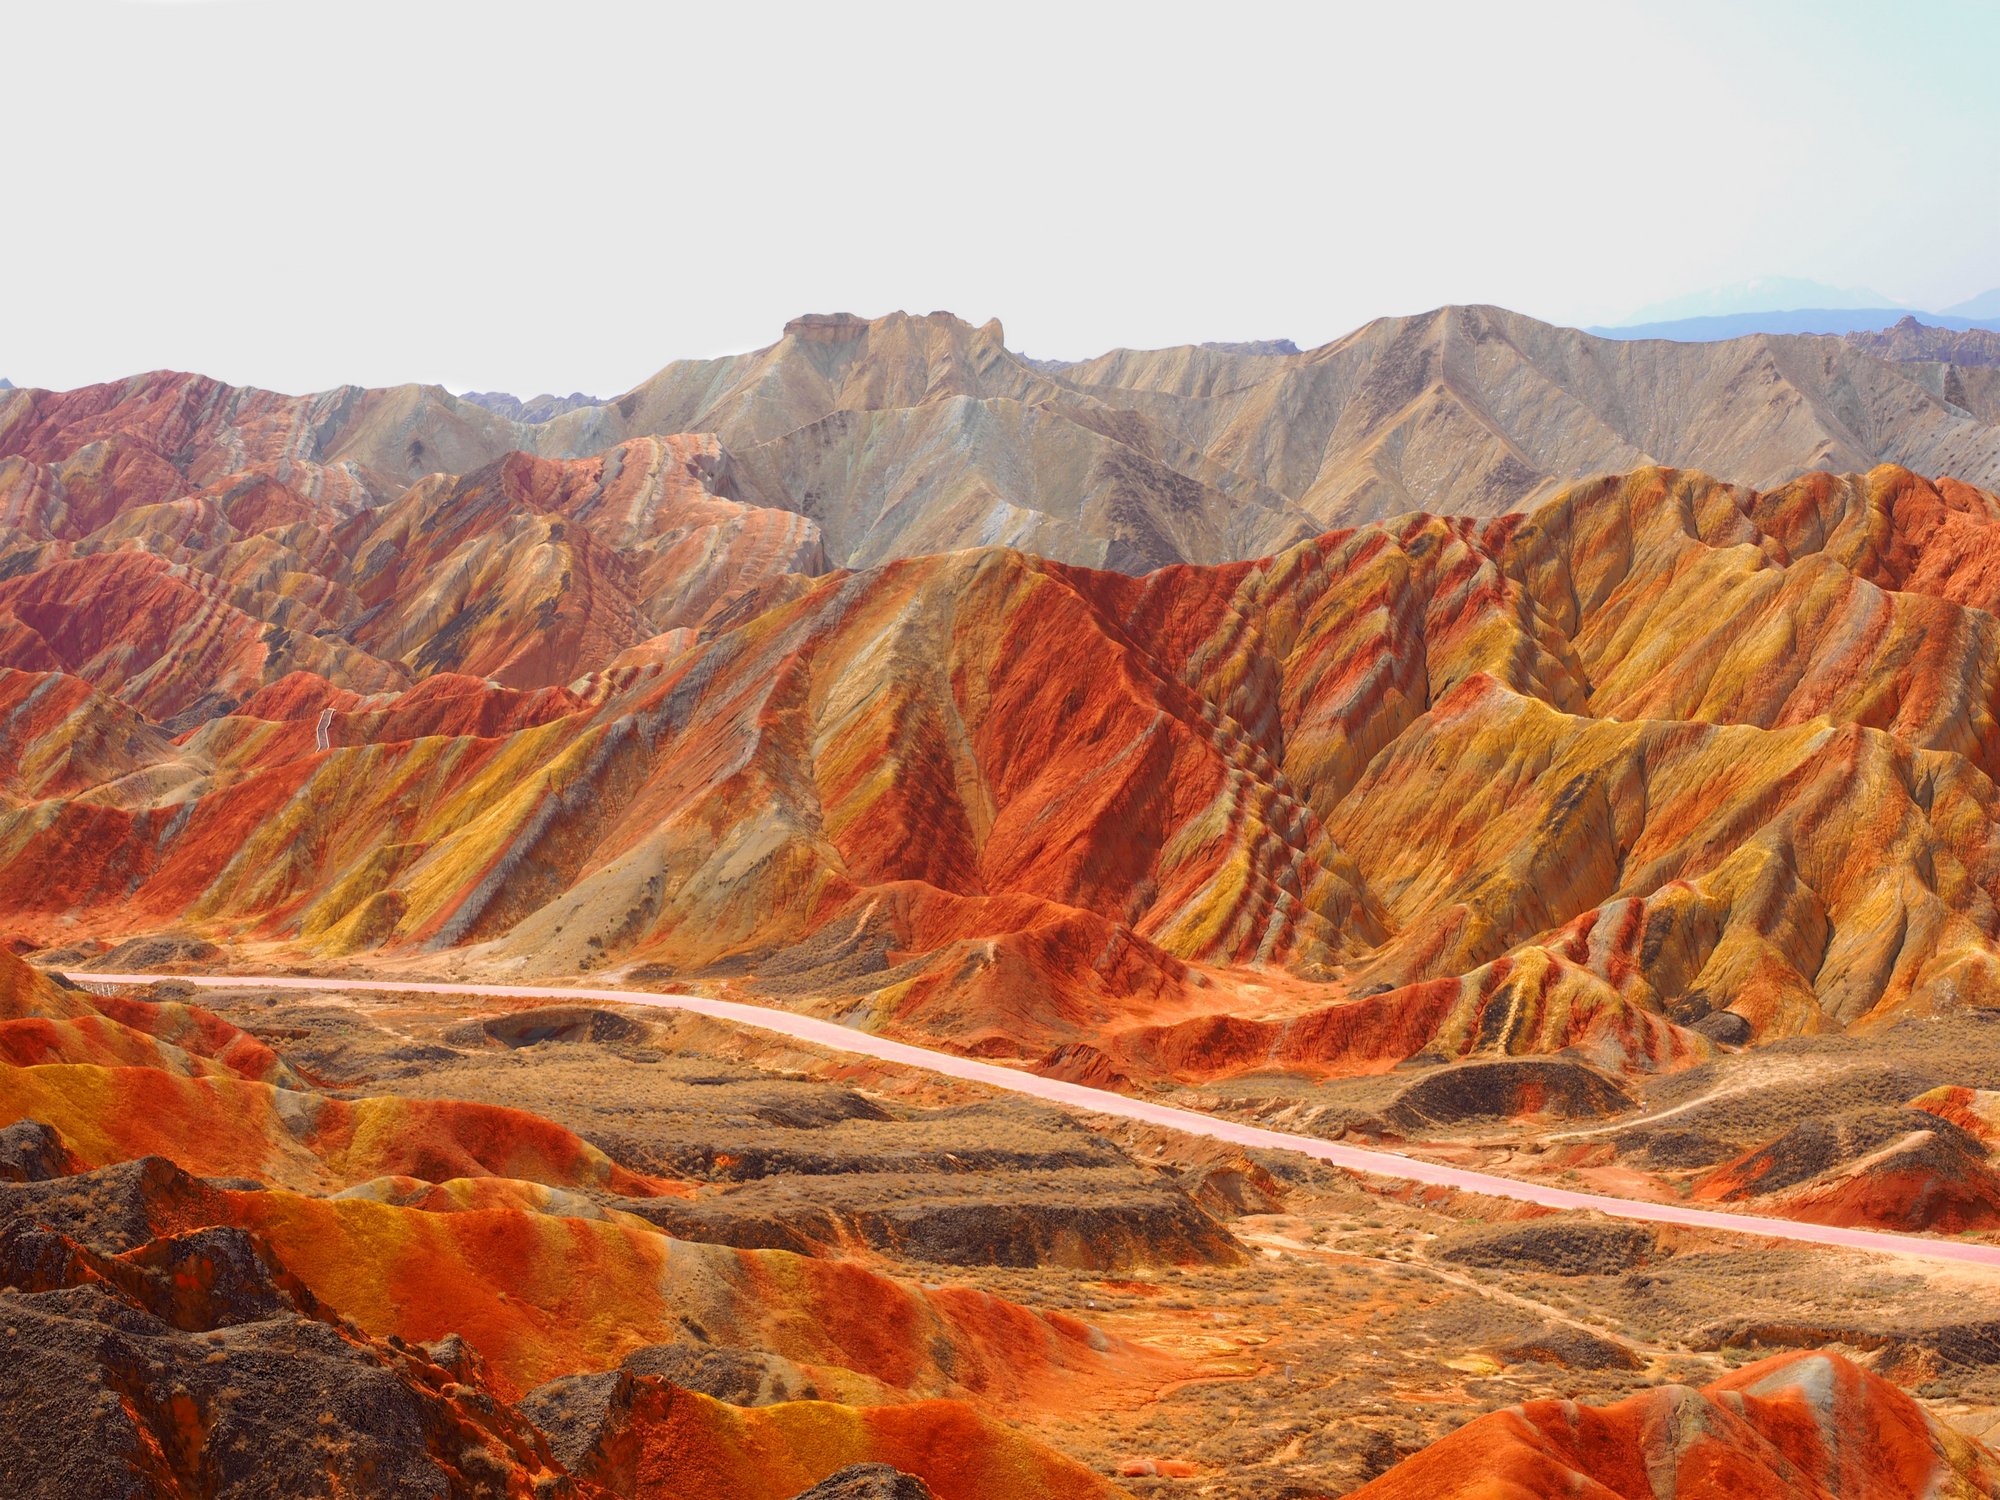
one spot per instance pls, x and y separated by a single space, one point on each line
1563 1245
645 1439
1802 1427
197 1303
1511 1088
197 1365
1157 1227
1915 1168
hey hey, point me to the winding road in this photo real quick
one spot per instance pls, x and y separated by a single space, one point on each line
1378 1163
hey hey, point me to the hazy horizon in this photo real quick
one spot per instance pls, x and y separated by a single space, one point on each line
297 194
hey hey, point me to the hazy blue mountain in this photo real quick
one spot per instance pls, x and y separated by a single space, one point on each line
1985 305
1761 294
1832 320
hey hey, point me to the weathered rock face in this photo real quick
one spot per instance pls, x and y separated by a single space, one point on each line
1812 1426
497 1266
197 1364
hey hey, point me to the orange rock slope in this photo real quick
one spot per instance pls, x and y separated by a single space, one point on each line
1662 764
657 1442
413 1227
1798 1427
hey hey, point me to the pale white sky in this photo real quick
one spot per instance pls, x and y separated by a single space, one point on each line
567 194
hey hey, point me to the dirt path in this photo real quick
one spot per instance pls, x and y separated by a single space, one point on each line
1377 1163
1665 1114
1544 1311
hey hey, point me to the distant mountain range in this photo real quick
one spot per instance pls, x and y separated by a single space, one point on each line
1759 295
905 435
1808 320
1232 346
1791 305
1910 340
541 408
1985 305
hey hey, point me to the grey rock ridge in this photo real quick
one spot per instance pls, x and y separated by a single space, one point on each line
905 435
1911 340
1256 346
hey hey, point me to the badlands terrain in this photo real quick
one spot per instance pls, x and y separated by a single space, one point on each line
1562 758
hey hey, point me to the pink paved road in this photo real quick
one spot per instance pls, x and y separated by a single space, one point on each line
1101 1101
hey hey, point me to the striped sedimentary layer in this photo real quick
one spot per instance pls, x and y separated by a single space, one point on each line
184 604
1664 763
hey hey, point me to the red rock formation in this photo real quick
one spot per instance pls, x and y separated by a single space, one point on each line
447 1217
534 571
645 1439
162 640
42 1022
1800 1427
59 737
1664 764
1925 1167
220 1125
